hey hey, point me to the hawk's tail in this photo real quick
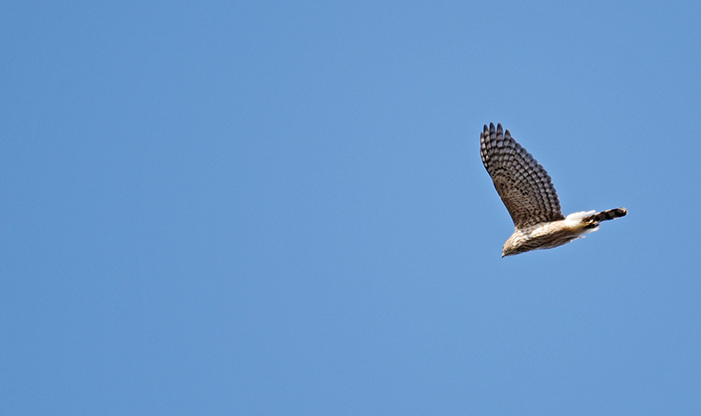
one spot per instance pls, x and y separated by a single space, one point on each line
609 214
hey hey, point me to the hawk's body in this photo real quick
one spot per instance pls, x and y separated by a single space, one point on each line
530 197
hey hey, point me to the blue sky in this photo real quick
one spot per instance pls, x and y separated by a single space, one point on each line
278 208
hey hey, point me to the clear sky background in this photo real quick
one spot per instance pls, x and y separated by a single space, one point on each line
279 208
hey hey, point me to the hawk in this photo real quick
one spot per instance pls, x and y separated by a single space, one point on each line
530 197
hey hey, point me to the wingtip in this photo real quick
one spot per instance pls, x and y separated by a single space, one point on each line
492 129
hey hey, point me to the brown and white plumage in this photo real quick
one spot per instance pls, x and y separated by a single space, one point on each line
530 197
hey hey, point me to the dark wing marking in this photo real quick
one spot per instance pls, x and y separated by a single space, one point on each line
522 183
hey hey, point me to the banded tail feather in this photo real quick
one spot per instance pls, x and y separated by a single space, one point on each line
609 214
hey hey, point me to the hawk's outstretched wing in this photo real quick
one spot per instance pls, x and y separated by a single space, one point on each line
522 183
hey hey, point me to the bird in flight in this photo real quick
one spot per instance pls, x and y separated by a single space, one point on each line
530 197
